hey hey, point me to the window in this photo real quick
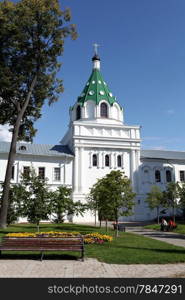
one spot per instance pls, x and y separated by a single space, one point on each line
57 174
157 176
168 176
42 172
78 112
182 176
107 160
26 171
22 148
119 160
94 160
13 172
104 110
146 175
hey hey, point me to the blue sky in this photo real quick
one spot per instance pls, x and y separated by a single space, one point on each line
142 51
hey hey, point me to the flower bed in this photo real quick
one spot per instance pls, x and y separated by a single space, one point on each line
97 238
90 238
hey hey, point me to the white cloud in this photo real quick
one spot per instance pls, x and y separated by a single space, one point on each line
5 135
159 148
152 138
170 112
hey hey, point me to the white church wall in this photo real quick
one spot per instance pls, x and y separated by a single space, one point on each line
3 164
90 110
48 163
88 174
179 167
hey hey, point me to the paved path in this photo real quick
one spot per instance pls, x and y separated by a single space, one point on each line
168 237
92 268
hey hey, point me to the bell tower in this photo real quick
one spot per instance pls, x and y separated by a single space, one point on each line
98 137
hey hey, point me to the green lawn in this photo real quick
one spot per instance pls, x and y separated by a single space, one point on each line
180 228
128 248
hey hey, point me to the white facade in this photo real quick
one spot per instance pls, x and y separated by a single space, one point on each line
98 141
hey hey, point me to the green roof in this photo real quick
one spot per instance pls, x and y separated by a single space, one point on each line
96 90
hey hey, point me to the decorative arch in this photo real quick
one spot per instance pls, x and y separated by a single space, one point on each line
94 160
104 110
78 112
107 160
119 161
168 176
157 176
116 112
90 109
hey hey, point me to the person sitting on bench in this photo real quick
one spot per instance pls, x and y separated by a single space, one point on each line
171 225
164 225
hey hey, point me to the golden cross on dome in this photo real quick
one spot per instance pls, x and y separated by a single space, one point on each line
96 48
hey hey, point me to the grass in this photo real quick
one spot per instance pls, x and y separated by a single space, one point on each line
180 228
128 248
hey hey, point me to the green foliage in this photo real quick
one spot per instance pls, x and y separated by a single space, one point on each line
171 196
36 198
31 40
112 196
181 190
62 204
128 249
181 193
155 199
15 204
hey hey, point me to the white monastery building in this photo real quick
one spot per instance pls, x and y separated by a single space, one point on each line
98 141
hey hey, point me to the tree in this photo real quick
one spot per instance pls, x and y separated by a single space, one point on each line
171 196
96 200
62 204
155 199
36 198
181 193
15 203
112 196
31 40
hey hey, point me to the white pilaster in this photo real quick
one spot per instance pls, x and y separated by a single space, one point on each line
115 160
122 163
76 169
103 160
80 169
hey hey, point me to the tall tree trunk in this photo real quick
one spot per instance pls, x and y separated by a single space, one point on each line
173 213
157 214
100 223
6 188
95 217
38 228
106 222
11 158
117 231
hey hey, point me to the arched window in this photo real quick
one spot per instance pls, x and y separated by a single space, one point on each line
146 175
78 112
157 176
94 160
168 176
104 110
119 160
22 148
107 160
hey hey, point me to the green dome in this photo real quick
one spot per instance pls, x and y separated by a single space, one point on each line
96 90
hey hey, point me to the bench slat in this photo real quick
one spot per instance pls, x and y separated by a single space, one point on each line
43 244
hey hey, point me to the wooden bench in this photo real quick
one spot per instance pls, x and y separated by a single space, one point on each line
43 244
